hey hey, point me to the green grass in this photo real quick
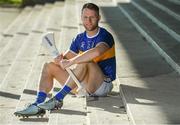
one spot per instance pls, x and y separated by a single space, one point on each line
10 2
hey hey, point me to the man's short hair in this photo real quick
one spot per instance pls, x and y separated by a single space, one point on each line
91 6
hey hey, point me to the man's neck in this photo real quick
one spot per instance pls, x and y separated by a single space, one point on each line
92 33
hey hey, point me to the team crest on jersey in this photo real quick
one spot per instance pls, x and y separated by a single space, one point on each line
90 44
83 44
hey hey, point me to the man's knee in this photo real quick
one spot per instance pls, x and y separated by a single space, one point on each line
48 67
81 66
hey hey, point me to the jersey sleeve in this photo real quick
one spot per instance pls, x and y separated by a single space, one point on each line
105 38
74 45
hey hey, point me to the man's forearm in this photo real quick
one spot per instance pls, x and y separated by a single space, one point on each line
85 57
68 55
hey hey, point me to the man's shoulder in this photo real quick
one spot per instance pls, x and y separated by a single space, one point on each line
80 35
105 31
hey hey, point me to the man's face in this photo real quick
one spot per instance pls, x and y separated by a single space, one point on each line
90 19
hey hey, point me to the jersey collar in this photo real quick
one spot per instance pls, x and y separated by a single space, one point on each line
94 35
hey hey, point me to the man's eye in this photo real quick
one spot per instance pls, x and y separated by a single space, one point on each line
89 18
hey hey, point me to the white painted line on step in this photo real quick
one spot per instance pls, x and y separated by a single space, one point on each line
155 20
175 1
169 60
167 10
125 104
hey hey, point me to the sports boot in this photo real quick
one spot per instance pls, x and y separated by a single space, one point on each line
51 104
31 110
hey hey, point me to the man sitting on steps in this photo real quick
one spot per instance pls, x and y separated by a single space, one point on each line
94 53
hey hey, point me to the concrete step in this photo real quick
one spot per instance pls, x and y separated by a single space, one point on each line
43 18
9 53
10 50
160 5
14 81
163 42
68 13
31 87
145 96
3 42
166 22
12 28
171 4
7 16
24 58
103 2
153 100
31 19
54 23
107 110
131 46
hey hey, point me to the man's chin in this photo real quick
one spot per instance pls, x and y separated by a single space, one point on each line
90 29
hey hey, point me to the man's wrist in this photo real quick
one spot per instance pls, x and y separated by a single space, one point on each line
73 61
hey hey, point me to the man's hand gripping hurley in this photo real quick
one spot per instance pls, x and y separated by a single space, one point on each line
49 43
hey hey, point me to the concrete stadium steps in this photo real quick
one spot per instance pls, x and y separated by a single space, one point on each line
175 2
14 81
152 100
21 65
164 42
54 22
28 94
162 19
3 42
10 46
29 22
9 54
31 87
12 28
159 4
145 95
174 6
142 80
131 49
107 110
43 17
7 16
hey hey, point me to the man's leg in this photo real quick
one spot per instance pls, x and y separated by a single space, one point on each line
57 100
50 71
94 78
90 73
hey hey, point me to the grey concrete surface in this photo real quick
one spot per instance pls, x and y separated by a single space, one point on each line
168 44
174 6
153 100
149 99
16 24
164 18
149 86
7 15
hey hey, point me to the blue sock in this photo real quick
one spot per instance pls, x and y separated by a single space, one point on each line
63 92
41 97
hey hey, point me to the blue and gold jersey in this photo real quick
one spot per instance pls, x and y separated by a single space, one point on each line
107 61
